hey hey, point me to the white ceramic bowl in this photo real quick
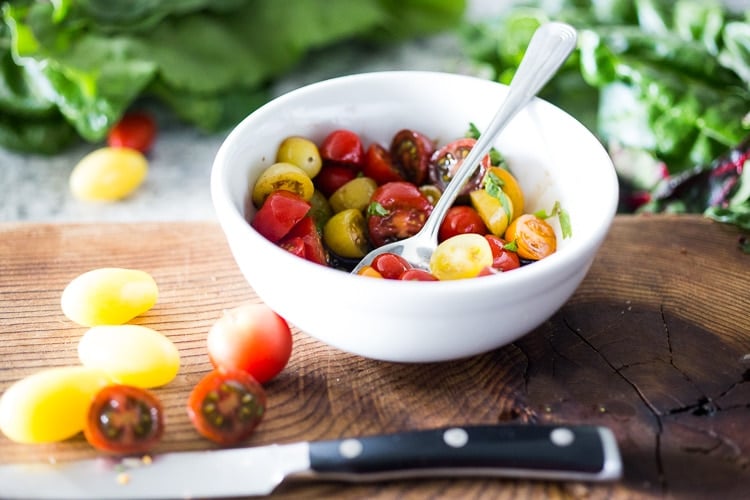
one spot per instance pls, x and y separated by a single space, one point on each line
552 155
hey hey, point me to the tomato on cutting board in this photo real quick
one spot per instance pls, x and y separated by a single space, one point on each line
124 419
226 406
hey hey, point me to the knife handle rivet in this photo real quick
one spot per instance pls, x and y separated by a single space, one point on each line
562 436
350 448
456 437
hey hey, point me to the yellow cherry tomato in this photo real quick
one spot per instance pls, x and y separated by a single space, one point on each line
50 405
461 256
130 354
109 296
282 176
510 187
108 174
354 194
533 236
301 152
346 234
495 210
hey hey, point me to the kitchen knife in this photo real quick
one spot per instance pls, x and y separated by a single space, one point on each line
581 453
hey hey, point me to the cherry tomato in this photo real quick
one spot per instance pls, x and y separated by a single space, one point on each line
307 231
502 258
124 419
331 177
412 151
295 246
415 274
343 147
281 211
390 265
251 338
379 165
446 160
463 256
534 237
226 406
461 219
398 210
370 272
136 130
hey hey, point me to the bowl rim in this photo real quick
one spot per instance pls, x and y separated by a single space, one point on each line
232 219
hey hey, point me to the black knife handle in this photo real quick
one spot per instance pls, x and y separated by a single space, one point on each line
587 453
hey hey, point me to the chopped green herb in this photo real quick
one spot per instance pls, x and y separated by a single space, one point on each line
377 209
562 215
511 246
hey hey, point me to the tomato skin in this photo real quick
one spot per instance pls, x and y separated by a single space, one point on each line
251 338
124 419
405 211
331 177
446 160
281 211
502 259
412 152
135 130
415 274
226 406
343 147
379 165
461 219
390 265
307 231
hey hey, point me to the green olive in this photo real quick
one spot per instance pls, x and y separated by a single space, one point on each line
354 194
301 152
320 209
282 176
345 234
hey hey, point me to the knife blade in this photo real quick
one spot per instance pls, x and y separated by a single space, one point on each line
549 452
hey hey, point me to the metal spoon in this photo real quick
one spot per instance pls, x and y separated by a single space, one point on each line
549 47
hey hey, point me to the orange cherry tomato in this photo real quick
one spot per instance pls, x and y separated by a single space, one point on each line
534 237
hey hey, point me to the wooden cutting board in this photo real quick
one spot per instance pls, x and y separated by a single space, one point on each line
654 344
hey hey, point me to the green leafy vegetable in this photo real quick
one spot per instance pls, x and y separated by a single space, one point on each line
72 67
562 216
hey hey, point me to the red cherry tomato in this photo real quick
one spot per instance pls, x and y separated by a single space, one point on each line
124 419
502 259
307 231
281 211
331 177
398 210
136 130
446 160
415 274
390 265
226 406
379 166
411 151
343 147
251 338
461 219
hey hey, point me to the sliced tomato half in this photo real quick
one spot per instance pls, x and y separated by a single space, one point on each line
398 210
380 167
281 211
446 160
412 151
307 232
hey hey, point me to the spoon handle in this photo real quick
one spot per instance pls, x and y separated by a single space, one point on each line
549 47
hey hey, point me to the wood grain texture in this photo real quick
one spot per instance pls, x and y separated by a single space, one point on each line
654 344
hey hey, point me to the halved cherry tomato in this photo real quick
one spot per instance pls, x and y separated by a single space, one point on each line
226 406
124 419
331 177
251 338
534 237
463 256
281 211
461 219
135 130
306 231
502 258
415 274
295 246
370 272
398 210
412 151
390 265
446 160
343 147
380 167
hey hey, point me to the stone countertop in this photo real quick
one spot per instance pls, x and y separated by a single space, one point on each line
35 188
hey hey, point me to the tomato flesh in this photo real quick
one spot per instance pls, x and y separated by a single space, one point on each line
281 211
136 130
124 419
343 147
399 211
446 160
412 151
226 406
307 231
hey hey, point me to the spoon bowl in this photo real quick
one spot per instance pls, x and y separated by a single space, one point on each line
548 49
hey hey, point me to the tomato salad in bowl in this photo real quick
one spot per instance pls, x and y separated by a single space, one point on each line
332 203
